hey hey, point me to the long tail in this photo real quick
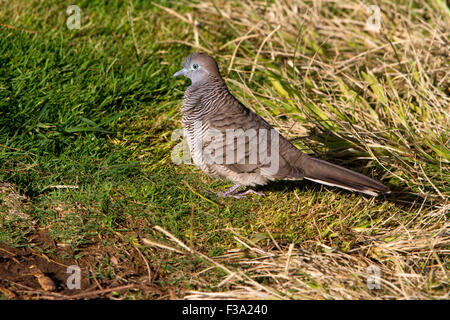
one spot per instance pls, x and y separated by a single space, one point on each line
333 175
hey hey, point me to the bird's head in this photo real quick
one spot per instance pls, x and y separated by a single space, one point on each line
198 67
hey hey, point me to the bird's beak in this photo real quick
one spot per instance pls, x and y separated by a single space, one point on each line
182 72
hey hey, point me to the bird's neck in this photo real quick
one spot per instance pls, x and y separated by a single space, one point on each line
201 98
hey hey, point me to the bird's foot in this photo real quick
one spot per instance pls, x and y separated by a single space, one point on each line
247 192
230 192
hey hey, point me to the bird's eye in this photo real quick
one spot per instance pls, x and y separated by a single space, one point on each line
195 66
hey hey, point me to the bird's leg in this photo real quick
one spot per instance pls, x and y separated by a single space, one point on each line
229 192
247 192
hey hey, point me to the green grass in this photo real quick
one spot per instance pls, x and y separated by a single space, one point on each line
95 108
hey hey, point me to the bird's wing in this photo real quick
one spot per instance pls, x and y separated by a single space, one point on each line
247 143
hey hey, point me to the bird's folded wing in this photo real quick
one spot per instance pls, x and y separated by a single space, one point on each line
246 141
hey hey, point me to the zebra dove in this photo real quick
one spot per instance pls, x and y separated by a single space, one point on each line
228 140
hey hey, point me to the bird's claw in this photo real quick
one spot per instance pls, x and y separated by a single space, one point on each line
246 193
232 192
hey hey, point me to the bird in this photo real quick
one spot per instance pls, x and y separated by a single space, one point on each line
227 140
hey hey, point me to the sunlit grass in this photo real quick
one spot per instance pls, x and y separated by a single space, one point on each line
95 108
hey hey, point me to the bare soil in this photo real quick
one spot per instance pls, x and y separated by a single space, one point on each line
27 273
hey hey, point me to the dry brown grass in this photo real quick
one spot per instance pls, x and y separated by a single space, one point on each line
377 97
276 271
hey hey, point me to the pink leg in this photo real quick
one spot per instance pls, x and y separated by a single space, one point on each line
230 192
247 192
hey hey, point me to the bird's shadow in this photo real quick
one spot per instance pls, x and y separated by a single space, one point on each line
401 197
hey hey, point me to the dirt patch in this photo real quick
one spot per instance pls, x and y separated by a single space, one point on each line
27 273
44 267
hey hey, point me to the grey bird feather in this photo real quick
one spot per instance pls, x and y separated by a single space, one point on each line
208 106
